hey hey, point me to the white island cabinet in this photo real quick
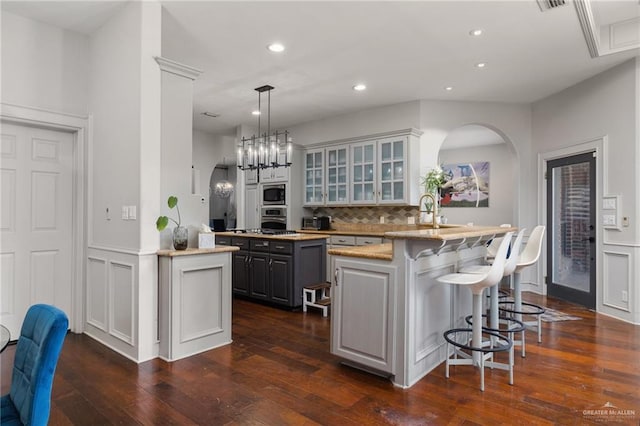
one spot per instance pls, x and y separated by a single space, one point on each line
364 313
389 312
195 301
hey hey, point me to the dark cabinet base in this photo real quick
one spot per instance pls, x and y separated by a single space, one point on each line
275 271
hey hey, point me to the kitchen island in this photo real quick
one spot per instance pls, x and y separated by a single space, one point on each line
275 268
194 300
388 310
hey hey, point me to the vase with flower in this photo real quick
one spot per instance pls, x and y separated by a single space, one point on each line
432 182
180 233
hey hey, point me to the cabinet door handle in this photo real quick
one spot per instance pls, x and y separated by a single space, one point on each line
342 241
270 263
280 247
335 277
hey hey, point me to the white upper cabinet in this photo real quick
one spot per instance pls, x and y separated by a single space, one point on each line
277 174
251 176
363 172
391 167
337 171
314 177
376 170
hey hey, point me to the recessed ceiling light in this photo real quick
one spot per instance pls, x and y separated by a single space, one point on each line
448 88
359 87
255 112
475 32
481 64
276 47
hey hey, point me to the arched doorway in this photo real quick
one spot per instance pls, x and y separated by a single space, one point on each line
222 198
485 153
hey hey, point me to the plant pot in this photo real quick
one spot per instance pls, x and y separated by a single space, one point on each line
180 238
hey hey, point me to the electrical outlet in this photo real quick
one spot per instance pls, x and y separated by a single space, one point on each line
381 219
411 220
625 296
132 212
625 221
125 213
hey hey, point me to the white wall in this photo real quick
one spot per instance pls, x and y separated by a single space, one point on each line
124 169
502 184
43 66
606 105
114 101
511 121
360 123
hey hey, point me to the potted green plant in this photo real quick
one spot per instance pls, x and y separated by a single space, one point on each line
432 182
180 233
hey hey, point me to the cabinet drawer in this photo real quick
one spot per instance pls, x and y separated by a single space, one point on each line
343 240
260 245
364 241
243 243
223 241
281 247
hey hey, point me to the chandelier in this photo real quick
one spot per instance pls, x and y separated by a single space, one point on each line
223 189
266 149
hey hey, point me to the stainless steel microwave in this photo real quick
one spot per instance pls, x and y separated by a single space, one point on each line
274 195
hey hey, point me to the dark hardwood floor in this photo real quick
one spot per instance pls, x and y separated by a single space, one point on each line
278 370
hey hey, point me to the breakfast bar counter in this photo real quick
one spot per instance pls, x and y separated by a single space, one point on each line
389 312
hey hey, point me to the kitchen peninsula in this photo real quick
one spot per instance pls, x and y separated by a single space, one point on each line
388 310
274 268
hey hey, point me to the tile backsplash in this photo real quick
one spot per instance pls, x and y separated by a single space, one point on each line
369 214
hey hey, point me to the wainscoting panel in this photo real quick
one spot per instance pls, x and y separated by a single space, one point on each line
617 280
200 289
97 300
121 304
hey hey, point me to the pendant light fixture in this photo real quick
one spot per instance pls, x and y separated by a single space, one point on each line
266 149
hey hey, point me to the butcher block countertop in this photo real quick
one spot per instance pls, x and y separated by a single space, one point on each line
374 251
284 237
192 251
369 230
448 234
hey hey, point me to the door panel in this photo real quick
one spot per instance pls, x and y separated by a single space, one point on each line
571 214
36 223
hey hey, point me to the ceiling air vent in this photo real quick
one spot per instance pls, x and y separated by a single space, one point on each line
550 4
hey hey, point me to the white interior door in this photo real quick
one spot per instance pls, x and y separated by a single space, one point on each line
35 221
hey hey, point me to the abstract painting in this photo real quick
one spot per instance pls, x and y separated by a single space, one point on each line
467 186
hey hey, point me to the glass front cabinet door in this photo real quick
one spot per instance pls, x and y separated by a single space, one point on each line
363 173
337 188
391 170
314 178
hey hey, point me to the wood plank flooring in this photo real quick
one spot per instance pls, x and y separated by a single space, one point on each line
279 371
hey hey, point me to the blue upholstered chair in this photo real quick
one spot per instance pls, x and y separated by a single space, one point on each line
39 344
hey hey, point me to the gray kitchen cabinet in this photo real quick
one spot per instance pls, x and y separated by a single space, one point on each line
363 313
275 270
281 277
240 272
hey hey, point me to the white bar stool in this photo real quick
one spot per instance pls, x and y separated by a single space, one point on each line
479 352
517 308
493 322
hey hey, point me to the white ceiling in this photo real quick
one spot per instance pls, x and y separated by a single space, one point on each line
402 51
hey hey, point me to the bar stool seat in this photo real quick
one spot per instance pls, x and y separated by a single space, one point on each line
480 352
513 325
516 308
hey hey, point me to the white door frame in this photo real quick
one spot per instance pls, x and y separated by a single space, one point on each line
79 127
599 147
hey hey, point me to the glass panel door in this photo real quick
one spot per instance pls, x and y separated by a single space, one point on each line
571 218
337 168
363 172
314 178
391 171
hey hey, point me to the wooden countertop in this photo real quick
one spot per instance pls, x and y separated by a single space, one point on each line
192 251
369 230
289 237
374 251
448 234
